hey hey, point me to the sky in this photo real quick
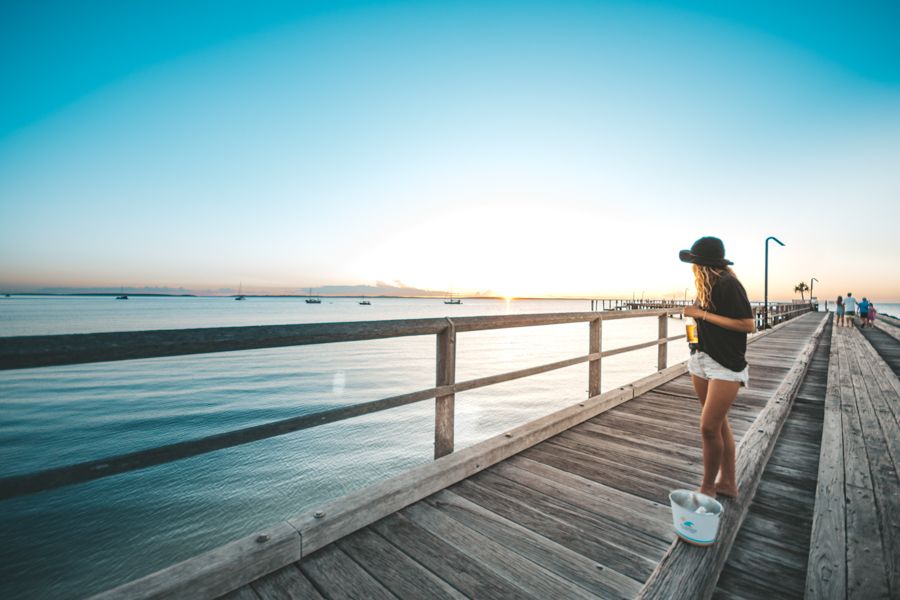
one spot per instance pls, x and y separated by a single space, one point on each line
523 148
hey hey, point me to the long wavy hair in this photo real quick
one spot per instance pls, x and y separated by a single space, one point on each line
704 280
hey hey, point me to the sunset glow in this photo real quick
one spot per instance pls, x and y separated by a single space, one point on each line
538 149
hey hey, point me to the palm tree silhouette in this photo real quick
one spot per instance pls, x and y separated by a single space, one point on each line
801 287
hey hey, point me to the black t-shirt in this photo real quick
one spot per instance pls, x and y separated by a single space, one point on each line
724 346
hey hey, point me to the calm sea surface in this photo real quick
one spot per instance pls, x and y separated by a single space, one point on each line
84 539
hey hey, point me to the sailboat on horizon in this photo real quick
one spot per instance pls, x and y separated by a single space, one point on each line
313 300
240 295
451 299
122 295
364 302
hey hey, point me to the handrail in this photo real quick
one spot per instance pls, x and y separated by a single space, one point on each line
26 352
36 351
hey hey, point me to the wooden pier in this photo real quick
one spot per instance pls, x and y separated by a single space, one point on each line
575 504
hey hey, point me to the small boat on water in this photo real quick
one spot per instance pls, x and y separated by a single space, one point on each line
240 295
451 299
364 302
122 295
313 299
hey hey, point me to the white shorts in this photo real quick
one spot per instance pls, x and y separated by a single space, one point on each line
703 366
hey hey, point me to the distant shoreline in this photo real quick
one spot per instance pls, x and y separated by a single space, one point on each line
354 296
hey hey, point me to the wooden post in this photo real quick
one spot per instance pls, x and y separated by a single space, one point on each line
445 374
594 347
663 351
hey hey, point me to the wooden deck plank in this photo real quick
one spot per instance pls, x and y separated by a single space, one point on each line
608 472
866 574
637 440
458 569
885 480
826 571
243 593
396 571
588 574
569 534
284 584
644 548
515 568
339 577
617 508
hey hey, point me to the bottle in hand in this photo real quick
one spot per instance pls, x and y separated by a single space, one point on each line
691 330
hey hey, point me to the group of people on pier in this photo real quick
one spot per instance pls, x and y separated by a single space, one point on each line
846 310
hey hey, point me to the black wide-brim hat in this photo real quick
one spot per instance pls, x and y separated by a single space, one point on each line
707 251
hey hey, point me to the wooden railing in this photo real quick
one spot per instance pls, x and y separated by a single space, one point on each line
780 312
42 351
54 350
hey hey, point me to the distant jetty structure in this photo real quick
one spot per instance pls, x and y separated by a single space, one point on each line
573 504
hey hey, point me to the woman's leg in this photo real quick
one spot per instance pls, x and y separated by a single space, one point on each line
727 482
719 397
700 386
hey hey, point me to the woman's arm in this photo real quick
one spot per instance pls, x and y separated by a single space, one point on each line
741 325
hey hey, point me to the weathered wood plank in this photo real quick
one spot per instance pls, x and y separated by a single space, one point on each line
569 534
687 571
285 584
608 472
616 508
244 593
826 572
884 476
340 577
513 567
393 569
643 549
465 574
866 576
579 569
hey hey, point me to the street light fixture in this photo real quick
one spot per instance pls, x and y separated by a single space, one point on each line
811 289
766 298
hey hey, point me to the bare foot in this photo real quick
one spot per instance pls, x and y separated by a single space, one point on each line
708 490
727 489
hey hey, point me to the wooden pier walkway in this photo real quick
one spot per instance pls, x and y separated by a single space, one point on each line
575 504
583 514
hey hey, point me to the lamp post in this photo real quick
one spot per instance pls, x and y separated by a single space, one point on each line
810 290
766 298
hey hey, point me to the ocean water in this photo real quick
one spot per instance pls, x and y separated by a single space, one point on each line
79 540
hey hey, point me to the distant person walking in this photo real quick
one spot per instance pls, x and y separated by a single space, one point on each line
717 364
863 311
850 306
839 310
872 315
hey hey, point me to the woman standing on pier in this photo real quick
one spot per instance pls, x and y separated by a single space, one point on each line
717 365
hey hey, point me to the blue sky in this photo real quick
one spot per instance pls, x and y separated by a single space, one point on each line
524 147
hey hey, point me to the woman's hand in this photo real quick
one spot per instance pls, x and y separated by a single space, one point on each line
694 311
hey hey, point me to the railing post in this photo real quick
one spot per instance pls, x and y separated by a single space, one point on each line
445 374
663 349
594 347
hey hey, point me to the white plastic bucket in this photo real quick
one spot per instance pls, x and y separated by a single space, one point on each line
694 527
